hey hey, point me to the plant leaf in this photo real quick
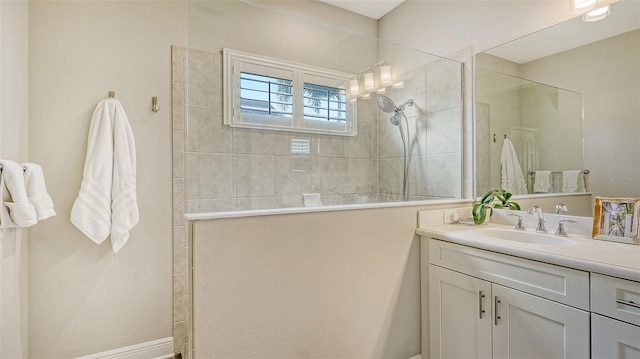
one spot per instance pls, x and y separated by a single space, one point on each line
479 213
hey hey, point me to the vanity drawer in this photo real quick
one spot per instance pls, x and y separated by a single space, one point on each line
616 298
560 284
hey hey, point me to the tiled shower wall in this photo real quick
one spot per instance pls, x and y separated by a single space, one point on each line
230 169
219 168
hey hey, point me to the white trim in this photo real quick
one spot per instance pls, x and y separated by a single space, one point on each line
276 211
155 349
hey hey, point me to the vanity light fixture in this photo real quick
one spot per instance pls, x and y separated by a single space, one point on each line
597 14
375 78
369 83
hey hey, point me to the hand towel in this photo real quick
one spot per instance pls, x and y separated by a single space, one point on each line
512 179
573 181
37 191
106 204
543 182
21 211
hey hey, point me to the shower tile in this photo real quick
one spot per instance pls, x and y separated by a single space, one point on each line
293 175
417 182
333 175
444 131
444 177
367 111
177 64
482 119
251 203
207 133
333 199
179 114
328 146
417 134
258 142
178 201
196 54
360 176
389 140
414 89
179 285
361 146
210 205
289 201
178 154
390 175
257 174
179 332
205 83
444 85
209 176
179 250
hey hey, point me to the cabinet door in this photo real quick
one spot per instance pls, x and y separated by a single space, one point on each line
526 326
460 315
612 339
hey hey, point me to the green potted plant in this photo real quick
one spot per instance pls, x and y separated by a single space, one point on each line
487 203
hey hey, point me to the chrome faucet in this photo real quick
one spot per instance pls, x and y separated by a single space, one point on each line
560 207
537 210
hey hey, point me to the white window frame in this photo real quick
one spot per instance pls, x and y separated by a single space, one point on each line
235 62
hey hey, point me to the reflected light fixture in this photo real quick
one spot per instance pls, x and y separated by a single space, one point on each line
597 14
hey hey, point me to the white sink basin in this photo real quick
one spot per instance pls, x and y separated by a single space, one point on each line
525 237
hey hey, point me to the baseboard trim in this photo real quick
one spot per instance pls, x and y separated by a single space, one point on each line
155 349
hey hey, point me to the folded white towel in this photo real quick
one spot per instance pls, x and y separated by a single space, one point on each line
512 179
20 211
542 182
37 191
107 203
5 218
573 181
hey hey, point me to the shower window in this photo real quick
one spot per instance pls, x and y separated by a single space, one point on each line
273 94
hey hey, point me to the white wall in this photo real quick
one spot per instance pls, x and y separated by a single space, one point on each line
83 298
13 146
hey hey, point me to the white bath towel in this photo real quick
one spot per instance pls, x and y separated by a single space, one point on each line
543 182
107 203
37 191
21 212
5 218
573 181
512 179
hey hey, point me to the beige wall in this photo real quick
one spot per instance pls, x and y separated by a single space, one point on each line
607 73
84 298
341 284
13 146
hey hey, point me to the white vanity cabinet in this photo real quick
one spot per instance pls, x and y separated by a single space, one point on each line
615 318
489 305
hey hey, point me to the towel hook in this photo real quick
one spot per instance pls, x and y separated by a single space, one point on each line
112 94
154 104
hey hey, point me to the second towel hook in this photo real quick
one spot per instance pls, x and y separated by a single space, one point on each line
154 104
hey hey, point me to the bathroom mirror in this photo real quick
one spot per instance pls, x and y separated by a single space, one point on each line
564 96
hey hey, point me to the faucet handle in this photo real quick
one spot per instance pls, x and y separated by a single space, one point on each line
561 207
519 226
561 232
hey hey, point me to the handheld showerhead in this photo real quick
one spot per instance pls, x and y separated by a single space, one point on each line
395 120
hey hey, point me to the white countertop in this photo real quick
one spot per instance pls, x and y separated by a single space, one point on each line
609 258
